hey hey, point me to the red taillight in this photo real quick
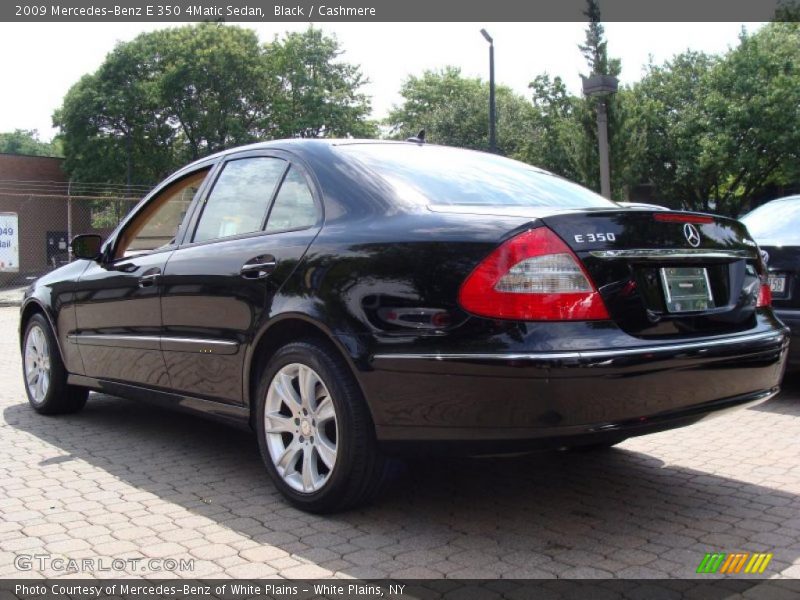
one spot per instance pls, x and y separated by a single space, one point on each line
764 296
532 277
669 217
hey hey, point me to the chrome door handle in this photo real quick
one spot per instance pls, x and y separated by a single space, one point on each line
260 268
149 278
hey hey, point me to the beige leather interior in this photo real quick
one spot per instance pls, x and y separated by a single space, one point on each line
135 227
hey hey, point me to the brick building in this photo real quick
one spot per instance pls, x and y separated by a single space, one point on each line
35 189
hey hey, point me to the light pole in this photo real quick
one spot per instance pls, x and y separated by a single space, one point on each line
492 108
601 87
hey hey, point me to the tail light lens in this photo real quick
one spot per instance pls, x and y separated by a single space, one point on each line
764 291
764 295
532 277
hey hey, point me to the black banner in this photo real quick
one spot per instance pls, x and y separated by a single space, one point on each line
392 10
421 589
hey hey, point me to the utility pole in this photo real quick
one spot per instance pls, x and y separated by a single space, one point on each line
601 87
602 142
492 106
69 220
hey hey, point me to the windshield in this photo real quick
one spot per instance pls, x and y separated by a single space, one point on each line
776 223
450 176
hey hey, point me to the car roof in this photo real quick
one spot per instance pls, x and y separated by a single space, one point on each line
301 144
794 198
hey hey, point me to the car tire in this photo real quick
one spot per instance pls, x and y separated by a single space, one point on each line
315 432
44 373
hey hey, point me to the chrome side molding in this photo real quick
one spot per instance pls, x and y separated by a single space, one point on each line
777 337
662 253
155 342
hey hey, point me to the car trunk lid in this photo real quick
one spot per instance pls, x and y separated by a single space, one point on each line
667 274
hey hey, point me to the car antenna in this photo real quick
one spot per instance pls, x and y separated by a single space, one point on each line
419 139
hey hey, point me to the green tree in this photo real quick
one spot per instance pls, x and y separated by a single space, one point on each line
214 84
26 141
424 94
668 110
595 51
315 93
182 93
558 147
721 129
111 122
565 125
787 10
753 110
453 110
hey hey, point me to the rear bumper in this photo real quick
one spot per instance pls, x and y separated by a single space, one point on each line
567 398
791 318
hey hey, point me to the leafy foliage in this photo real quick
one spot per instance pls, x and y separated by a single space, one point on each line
722 130
316 94
180 94
567 124
212 85
26 141
703 132
453 110
667 108
595 49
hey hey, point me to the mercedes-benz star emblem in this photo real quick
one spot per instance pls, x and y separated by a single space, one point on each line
692 235
764 255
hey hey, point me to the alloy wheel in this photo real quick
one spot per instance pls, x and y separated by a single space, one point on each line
37 364
301 428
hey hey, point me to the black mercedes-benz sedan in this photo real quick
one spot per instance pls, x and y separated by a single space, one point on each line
353 300
775 226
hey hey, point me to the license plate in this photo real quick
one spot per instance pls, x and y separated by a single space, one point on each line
686 289
777 283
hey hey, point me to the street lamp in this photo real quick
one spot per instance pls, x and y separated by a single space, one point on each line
492 108
601 87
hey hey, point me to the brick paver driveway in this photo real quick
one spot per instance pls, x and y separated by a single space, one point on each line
124 480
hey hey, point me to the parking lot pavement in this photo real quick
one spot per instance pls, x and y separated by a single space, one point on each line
11 296
121 480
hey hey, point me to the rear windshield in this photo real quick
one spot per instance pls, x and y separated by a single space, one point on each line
451 176
775 223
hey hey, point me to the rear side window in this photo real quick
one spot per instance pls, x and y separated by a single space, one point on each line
450 176
294 206
238 203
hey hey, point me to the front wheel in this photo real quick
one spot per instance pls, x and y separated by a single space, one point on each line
314 430
45 374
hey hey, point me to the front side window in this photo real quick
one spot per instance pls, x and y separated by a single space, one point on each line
294 206
156 225
240 197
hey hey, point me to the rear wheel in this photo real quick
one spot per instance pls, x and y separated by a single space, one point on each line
44 372
315 433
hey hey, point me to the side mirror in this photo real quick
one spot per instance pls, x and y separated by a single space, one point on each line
87 246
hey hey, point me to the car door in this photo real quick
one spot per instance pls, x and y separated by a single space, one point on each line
219 285
118 308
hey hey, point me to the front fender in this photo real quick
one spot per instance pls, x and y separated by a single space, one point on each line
53 295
